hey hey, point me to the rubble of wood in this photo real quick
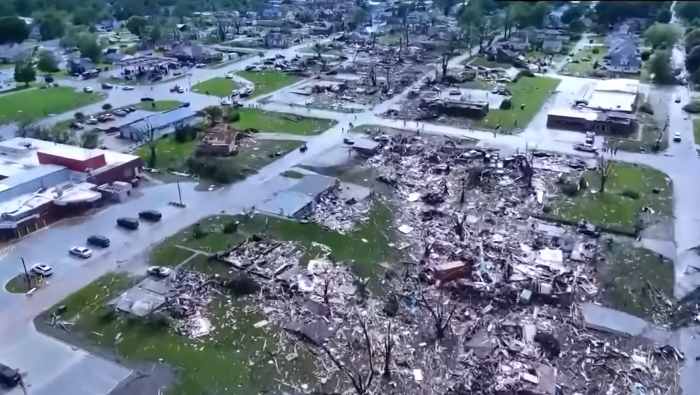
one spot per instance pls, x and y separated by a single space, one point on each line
187 303
340 215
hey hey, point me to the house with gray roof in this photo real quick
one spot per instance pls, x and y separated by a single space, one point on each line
624 54
15 52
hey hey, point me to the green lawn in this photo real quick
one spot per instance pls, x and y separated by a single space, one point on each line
530 91
585 58
367 246
158 105
169 152
268 81
611 209
34 104
696 130
217 86
626 275
271 122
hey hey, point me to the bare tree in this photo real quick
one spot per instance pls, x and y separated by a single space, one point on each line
326 293
318 49
223 28
373 76
441 314
458 221
237 25
605 167
359 381
445 60
373 41
388 347
149 133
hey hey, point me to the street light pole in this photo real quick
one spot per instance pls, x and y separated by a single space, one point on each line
26 274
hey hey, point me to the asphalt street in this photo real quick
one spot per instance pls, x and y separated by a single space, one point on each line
127 250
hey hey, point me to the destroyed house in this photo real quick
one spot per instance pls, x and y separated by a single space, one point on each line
458 108
300 200
608 123
220 141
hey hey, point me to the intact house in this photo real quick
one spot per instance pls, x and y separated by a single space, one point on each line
194 54
276 40
271 12
624 55
79 65
552 46
15 53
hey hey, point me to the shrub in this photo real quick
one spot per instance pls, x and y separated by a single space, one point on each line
79 115
91 140
569 189
231 227
692 107
634 195
590 41
232 116
645 55
106 106
506 104
184 134
595 51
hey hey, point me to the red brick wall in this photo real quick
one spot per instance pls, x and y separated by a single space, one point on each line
94 162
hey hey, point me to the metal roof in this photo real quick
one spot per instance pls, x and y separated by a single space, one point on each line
164 119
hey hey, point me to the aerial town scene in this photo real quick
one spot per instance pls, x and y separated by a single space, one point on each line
356 197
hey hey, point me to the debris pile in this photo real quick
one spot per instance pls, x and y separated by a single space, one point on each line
187 303
337 214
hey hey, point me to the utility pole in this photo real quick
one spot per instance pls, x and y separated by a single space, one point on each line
179 195
26 274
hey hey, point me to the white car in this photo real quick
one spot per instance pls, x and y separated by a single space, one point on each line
180 89
42 269
128 88
229 76
159 271
91 121
234 92
81 252
87 89
677 137
226 102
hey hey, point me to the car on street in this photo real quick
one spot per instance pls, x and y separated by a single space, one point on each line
200 65
128 88
130 109
91 121
128 223
677 137
159 271
9 378
250 68
151 215
455 92
585 148
229 76
107 86
98 240
678 99
120 113
185 104
87 89
82 252
226 102
234 92
147 99
180 89
42 269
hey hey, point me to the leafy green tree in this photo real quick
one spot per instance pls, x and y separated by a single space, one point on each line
359 16
445 5
51 25
24 72
688 10
664 16
137 25
89 47
571 14
47 63
662 35
660 67
576 26
692 61
13 30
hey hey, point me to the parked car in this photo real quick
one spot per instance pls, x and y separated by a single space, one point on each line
120 113
147 99
678 99
128 223
107 86
159 271
76 125
91 121
97 240
250 68
157 78
42 269
185 104
128 88
226 102
87 89
9 378
130 109
151 215
82 252
180 89
229 76
677 137
585 148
